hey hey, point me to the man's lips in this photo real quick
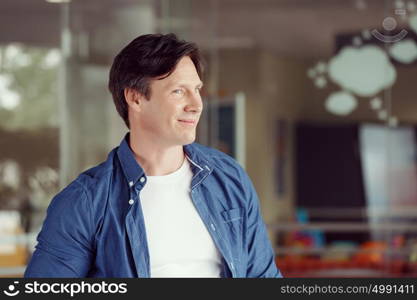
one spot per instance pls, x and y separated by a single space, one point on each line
190 122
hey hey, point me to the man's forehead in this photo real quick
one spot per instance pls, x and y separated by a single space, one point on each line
182 76
182 81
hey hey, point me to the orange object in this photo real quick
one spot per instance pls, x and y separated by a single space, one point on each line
371 252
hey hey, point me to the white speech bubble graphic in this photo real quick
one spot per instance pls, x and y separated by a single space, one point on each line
9 99
413 22
382 114
404 51
341 103
320 82
376 103
364 71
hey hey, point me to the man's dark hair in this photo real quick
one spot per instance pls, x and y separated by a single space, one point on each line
147 57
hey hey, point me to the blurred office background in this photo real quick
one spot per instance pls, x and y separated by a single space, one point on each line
317 99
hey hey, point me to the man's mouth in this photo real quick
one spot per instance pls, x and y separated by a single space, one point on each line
188 122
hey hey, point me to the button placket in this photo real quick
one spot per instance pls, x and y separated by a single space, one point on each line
131 201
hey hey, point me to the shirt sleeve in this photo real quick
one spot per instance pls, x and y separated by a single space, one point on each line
64 244
261 256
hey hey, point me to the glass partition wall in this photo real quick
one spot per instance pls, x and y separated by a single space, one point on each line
316 99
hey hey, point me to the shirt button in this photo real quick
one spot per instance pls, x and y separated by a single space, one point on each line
213 227
131 201
130 183
142 179
232 266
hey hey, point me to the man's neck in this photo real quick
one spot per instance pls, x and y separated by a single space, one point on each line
155 159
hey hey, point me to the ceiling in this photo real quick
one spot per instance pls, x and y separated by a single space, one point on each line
301 28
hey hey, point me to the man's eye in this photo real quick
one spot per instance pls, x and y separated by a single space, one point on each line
178 92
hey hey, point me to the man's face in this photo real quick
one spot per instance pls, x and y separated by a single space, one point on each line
174 108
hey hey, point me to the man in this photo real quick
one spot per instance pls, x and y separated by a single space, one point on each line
160 205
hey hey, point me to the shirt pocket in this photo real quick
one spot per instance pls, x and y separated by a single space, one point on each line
232 215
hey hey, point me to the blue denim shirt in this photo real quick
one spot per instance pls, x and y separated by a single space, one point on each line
95 227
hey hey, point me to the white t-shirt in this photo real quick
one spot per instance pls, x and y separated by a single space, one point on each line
179 242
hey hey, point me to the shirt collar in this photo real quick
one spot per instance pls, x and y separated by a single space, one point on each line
133 171
131 168
197 157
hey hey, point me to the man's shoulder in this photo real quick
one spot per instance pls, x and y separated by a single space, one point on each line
83 194
98 173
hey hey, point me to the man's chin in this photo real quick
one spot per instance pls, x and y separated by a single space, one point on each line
188 140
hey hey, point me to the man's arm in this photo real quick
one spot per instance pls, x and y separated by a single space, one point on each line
64 246
261 256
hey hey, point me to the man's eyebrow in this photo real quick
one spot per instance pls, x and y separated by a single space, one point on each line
200 85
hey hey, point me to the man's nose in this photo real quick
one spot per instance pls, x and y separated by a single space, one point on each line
195 104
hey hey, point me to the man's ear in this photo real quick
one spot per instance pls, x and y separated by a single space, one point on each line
133 98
